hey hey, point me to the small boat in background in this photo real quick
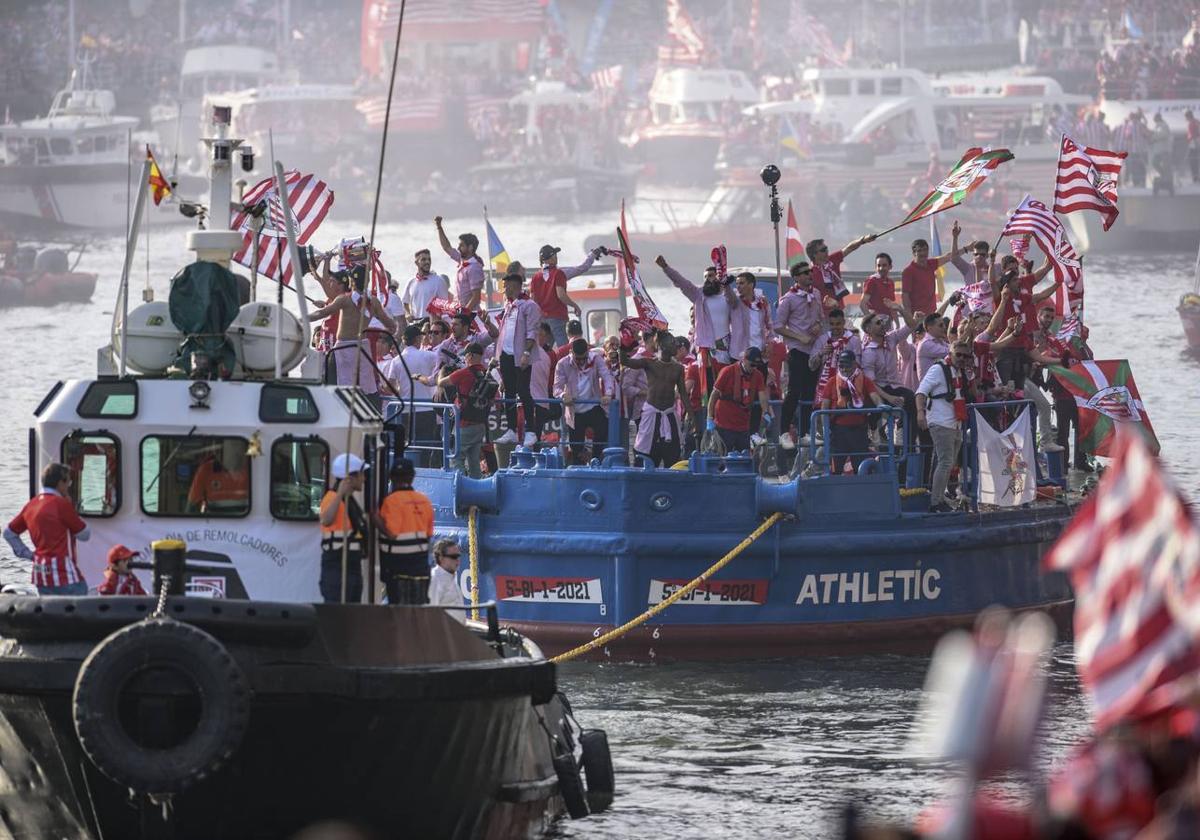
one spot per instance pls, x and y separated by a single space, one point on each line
33 276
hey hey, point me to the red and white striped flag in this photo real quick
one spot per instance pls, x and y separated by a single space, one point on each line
310 200
1087 180
684 44
608 78
1034 218
1133 553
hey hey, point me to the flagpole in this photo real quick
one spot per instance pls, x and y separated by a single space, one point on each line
487 234
912 221
130 245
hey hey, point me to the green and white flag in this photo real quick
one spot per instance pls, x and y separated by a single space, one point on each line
966 176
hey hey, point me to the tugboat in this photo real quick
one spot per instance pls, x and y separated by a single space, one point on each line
228 704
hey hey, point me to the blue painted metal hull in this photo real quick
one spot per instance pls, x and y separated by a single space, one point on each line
570 554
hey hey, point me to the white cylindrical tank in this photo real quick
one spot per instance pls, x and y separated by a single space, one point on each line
153 338
252 335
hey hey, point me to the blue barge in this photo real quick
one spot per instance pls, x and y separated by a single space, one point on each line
569 554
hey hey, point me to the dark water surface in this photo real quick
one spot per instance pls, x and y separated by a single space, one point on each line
703 750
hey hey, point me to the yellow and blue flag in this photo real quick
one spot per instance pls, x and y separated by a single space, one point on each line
790 138
496 250
935 251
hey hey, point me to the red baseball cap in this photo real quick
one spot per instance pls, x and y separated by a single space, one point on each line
121 552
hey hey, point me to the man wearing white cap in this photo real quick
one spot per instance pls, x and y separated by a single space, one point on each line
343 529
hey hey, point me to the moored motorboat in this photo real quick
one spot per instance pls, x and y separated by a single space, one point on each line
43 277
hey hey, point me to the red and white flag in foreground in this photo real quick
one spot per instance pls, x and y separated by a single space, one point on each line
1133 554
1035 219
647 309
310 200
1087 180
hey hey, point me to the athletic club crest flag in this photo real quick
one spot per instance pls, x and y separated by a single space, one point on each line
1106 397
966 177
1006 463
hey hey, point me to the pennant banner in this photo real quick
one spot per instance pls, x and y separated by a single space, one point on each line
1007 476
646 308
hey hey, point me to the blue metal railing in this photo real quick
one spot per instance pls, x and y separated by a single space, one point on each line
822 453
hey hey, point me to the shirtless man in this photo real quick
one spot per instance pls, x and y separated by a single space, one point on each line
351 308
658 436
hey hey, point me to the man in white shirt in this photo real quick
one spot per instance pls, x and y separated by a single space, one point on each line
394 306
518 336
411 374
424 287
443 579
941 408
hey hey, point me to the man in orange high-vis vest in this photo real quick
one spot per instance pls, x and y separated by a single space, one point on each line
405 523
343 524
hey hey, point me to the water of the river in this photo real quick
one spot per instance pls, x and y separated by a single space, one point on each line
701 750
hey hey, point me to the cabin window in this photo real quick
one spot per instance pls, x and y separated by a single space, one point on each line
601 323
195 475
287 404
866 87
298 469
94 459
662 113
102 144
109 398
837 87
84 145
890 87
60 145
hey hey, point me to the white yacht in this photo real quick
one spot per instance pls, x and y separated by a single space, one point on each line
70 167
217 69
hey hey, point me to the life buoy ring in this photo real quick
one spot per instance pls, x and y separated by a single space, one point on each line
570 785
598 769
209 706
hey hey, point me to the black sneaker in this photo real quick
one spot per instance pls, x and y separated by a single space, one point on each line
1084 466
941 508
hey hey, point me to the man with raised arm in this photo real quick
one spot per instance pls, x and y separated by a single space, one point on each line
350 352
659 437
918 281
827 267
712 303
468 282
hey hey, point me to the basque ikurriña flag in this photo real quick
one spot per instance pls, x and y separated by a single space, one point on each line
966 177
1133 554
1107 397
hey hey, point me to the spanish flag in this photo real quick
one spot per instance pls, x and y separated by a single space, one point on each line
499 255
159 186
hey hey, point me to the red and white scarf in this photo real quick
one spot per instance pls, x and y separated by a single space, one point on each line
836 346
852 384
809 294
956 383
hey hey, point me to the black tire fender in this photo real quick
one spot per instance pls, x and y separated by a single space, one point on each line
570 785
598 769
218 687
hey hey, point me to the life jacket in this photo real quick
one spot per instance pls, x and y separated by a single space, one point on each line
407 515
346 524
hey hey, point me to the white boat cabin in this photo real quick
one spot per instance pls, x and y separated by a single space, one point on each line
235 469
685 95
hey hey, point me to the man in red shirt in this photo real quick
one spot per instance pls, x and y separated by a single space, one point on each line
879 290
53 526
849 388
827 267
918 282
733 393
1018 300
548 288
472 418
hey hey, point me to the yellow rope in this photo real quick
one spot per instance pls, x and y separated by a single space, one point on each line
473 548
657 608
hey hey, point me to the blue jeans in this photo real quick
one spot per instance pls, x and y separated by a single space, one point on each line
558 328
79 587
